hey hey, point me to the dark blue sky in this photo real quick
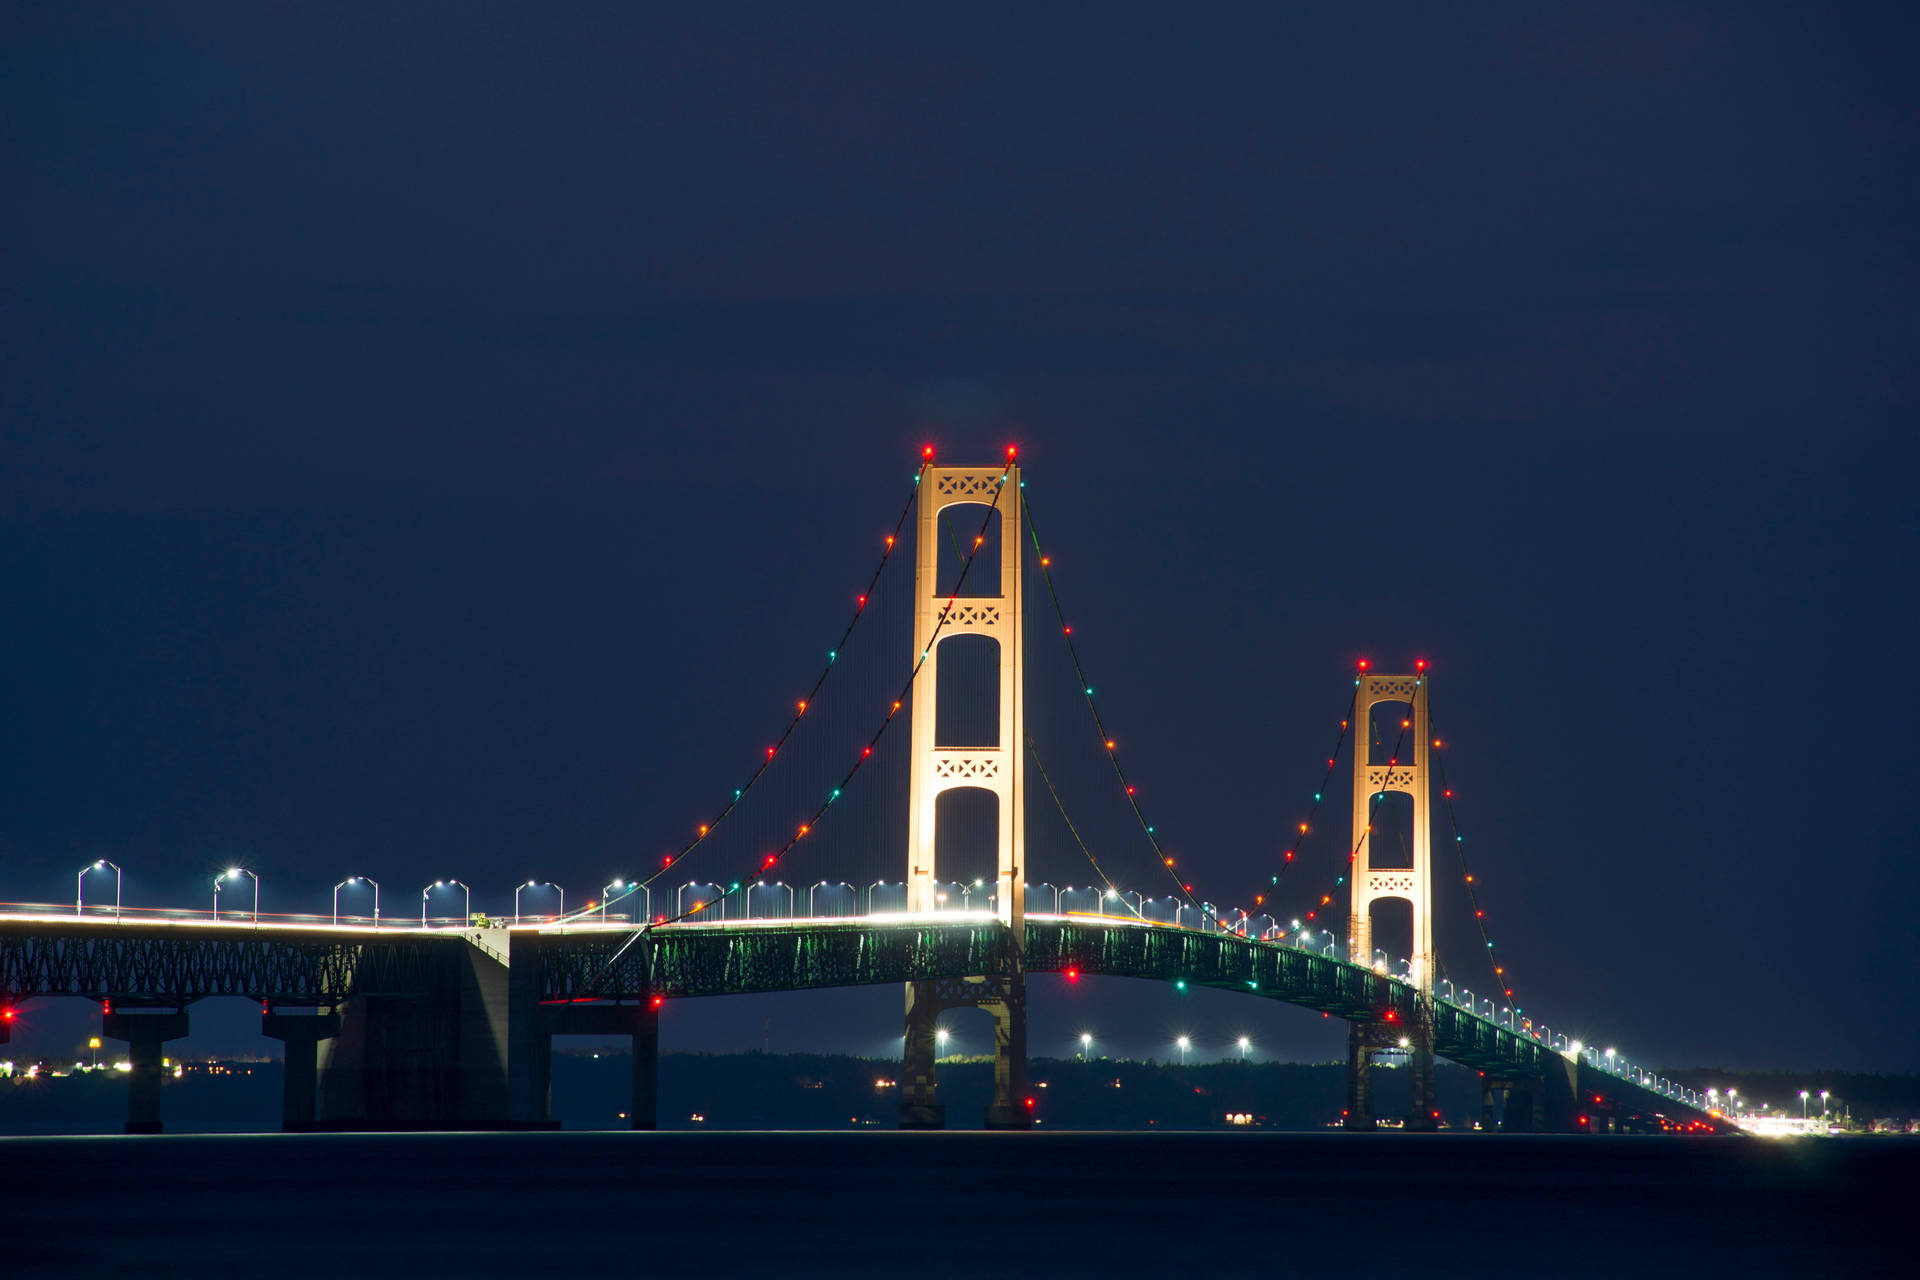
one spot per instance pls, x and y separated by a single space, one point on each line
443 442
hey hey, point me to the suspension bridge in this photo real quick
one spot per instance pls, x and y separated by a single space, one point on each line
448 1020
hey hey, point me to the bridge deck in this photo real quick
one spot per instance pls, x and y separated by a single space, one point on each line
176 962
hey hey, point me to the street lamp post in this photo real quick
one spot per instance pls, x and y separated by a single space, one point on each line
536 884
1824 1094
775 884
940 1039
617 884
1086 1046
836 884
1245 1044
1185 1043
234 873
80 885
1803 1104
358 880
466 900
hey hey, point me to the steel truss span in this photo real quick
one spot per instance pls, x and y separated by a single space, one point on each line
161 967
682 961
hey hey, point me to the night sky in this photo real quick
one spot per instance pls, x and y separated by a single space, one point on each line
444 439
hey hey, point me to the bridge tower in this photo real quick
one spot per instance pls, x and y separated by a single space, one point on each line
998 769
1406 773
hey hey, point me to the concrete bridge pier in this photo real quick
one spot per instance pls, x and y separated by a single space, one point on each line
1493 1097
1006 999
1422 1116
530 1057
643 1112
1559 1105
1359 1114
302 1034
1009 1110
919 1103
144 1033
1364 1039
530 1027
1523 1103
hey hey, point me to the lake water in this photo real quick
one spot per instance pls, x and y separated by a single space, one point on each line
951 1204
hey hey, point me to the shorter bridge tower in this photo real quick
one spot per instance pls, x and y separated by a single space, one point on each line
999 769
1406 772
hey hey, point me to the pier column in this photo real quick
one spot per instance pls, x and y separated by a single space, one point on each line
1359 1076
1420 1116
1008 1110
1559 1109
529 1039
919 1105
1525 1109
301 1033
644 1110
144 1033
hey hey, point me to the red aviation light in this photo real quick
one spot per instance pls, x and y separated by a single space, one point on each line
1073 975
656 1002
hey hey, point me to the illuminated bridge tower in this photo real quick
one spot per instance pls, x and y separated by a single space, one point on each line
998 769
1407 773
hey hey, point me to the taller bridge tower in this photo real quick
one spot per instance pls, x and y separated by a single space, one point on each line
1407 773
998 768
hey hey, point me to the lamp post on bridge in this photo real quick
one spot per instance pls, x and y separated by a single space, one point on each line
357 880
466 900
537 884
774 884
234 873
619 884
80 885
836 884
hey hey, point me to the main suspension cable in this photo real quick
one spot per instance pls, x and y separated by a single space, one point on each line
1099 725
866 752
705 829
